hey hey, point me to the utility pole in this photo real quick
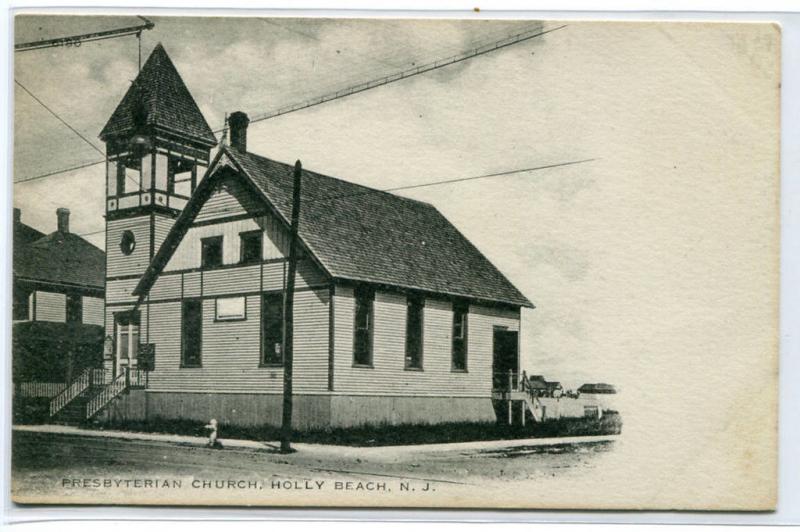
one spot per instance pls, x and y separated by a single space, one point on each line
288 317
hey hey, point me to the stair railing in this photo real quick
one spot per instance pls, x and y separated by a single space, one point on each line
76 387
110 392
98 377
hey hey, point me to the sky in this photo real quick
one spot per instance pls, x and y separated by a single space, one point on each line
620 255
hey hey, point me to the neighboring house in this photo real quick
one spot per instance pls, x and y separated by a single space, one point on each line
599 388
554 389
58 289
397 316
602 394
539 387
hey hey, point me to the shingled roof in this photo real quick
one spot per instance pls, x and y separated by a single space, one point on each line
166 99
61 258
24 234
599 387
361 234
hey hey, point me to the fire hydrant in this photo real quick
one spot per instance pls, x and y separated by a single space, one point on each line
213 443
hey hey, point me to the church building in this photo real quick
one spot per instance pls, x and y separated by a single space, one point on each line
398 317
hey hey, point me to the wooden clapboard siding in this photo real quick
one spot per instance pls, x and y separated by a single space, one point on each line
165 332
166 287
480 333
388 375
229 198
121 290
309 274
50 306
219 282
93 308
311 324
343 320
161 227
145 316
231 280
109 322
188 253
231 352
192 282
117 263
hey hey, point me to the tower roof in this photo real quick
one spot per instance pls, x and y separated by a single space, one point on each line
159 91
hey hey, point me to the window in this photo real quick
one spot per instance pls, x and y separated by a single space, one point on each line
211 252
74 308
180 176
191 332
127 243
272 329
250 247
230 308
414 312
129 174
127 335
362 337
459 350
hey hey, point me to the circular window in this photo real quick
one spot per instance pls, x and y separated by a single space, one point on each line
128 242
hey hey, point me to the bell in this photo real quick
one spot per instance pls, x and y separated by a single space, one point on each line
139 144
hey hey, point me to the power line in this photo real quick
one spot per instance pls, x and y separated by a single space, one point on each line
405 74
421 185
78 133
56 172
477 51
456 180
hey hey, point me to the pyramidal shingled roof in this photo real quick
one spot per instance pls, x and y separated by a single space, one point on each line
169 104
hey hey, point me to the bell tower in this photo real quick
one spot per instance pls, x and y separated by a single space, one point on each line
157 148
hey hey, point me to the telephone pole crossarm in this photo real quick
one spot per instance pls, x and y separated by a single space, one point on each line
77 40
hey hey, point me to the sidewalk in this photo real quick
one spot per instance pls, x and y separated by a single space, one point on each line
314 448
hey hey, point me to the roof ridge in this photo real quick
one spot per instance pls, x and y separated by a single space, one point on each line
338 179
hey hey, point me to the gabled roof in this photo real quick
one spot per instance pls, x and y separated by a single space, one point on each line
25 234
61 258
165 98
361 234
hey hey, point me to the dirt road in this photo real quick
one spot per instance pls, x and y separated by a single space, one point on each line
80 468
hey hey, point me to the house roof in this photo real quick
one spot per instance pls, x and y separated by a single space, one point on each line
361 234
599 387
537 382
25 234
61 258
167 102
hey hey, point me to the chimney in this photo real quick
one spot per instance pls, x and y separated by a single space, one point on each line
63 220
17 216
238 123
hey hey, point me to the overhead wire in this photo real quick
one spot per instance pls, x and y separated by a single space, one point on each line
421 185
353 89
